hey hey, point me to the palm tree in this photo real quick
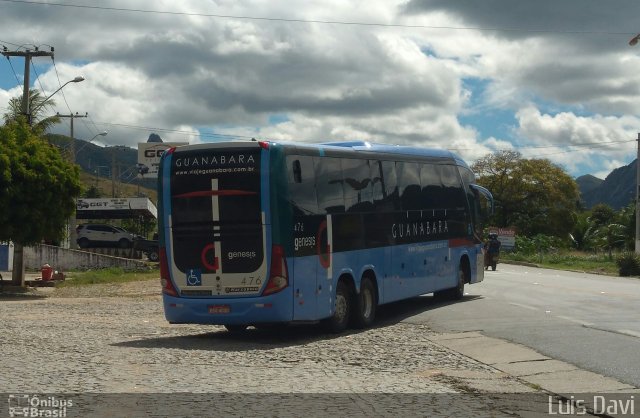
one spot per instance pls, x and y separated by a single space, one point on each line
38 104
610 236
583 233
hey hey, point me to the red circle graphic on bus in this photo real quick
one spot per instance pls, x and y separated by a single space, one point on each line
203 257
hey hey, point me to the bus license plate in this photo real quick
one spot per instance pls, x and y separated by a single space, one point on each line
219 309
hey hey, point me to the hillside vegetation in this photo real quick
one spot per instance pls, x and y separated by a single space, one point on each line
96 186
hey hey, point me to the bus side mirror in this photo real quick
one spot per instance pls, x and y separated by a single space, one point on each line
485 195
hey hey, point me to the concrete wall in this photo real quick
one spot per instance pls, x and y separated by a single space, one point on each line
6 256
64 259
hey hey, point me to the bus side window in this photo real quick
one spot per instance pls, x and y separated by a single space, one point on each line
432 193
302 188
377 181
452 186
409 184
329 185
357 185
391 196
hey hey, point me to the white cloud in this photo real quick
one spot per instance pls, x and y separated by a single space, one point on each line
179 74
597 141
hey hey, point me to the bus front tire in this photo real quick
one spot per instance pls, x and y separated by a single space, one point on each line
454 293
458 292
340 319
365 306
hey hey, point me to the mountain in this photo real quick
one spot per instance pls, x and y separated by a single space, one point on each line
100 161
616 190
588 183
154 138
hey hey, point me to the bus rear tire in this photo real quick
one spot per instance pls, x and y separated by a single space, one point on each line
365 306
340 319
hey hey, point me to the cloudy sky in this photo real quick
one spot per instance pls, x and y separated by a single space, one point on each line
552 79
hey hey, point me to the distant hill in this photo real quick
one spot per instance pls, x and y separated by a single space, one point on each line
100 161
588 183
616 190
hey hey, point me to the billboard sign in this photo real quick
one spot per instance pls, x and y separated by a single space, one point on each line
149 154
506 236
88 208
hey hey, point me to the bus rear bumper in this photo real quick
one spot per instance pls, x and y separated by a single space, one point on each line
221 311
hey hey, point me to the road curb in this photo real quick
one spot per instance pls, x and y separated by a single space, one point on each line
535 371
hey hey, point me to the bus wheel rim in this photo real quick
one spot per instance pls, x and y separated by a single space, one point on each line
367 303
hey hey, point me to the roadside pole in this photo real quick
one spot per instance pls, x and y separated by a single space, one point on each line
72 157
17 274
638 197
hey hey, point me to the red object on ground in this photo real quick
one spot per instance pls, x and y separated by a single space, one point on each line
47 272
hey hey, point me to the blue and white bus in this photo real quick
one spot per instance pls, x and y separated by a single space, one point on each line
257 233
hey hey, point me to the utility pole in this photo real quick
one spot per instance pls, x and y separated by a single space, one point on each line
113 172
72 152
638 197
17 274
115 168
632 42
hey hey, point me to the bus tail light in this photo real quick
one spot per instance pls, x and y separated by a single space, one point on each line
165 280
278 276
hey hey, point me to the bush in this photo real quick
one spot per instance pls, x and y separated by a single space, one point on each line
538 244
628 264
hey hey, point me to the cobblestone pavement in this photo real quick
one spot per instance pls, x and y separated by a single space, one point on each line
114 339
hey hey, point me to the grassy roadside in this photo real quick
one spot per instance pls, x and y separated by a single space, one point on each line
572 261
106 276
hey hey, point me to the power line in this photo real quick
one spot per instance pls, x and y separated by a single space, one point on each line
232 136
326 22
605 145
14 70
93 124
33 67
584 144
60 84
167 130
9 43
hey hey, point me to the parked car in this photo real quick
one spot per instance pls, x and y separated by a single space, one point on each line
149 247
103 235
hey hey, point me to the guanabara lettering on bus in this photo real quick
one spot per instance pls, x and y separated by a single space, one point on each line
256 233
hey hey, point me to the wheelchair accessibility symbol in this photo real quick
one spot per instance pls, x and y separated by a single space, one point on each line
194 277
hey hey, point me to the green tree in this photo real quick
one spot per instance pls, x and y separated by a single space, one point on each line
601 214
582 235
38 106
534 195
93 192
610 236
627 217
38 187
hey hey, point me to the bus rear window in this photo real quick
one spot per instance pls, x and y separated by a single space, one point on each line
216 198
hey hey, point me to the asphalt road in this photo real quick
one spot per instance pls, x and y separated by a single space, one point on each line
591 321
